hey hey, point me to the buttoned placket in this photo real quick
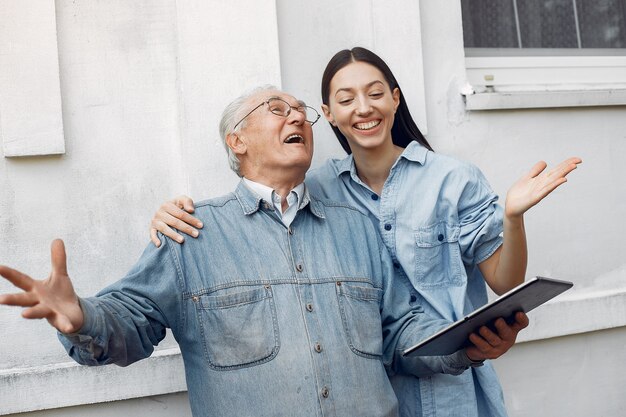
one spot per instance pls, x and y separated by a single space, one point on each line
382 205
318 354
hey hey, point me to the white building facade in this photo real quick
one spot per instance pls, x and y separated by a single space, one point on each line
109 108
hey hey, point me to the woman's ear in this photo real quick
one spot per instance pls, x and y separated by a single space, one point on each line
236 143
395 94
328 115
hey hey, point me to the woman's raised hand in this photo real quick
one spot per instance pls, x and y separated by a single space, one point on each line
537 184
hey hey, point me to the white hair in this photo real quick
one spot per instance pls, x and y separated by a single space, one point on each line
231 115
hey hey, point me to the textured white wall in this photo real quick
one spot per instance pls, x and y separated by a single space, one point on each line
158 73
143 84
576 234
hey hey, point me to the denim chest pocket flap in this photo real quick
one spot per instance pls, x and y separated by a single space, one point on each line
438 260
239 329
359 306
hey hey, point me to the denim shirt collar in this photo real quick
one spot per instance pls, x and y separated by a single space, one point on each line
251 202
413 152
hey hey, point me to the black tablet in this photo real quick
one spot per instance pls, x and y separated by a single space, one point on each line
524 298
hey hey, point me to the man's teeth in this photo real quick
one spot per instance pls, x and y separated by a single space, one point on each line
368 125
294 139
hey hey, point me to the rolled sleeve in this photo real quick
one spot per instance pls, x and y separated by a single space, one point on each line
480 219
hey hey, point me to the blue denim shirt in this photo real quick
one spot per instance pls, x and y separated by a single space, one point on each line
270 320
439 218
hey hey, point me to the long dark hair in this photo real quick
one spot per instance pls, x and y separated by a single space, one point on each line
404 129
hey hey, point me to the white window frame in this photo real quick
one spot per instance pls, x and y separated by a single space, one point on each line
546 81
528 78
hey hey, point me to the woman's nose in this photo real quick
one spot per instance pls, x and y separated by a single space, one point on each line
363 106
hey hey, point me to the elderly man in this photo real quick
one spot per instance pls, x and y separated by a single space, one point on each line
279 309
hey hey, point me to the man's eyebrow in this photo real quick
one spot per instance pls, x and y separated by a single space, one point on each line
286 100
368 85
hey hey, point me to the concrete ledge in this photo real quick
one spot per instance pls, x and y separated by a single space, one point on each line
70 384
578 312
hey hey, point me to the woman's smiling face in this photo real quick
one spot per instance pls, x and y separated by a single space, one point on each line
362 106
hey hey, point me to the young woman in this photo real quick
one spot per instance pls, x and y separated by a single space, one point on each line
437 216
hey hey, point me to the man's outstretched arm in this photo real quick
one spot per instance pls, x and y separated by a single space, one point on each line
120 325
53 299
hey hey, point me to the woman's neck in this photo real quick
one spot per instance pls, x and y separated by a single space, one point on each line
373 165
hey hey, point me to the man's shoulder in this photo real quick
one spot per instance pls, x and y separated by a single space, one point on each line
224 204
336 207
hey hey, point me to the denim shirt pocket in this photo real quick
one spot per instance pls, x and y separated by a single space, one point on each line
239 329
438 262
359 307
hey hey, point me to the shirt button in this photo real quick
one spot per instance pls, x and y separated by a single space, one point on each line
309 307
325 392
290 230
318 347
440 237
299 268
374 197
387 226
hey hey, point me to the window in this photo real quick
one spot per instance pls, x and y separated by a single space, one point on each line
523 25
547 45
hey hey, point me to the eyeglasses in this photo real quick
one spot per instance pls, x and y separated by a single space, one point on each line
280 107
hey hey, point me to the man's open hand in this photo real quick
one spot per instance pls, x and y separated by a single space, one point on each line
53 299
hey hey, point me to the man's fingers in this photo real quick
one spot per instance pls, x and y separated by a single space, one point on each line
40 311
59 263
25 299
16 278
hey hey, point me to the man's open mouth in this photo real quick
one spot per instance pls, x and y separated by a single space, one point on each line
294 139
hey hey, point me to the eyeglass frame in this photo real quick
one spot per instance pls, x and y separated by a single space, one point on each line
290 107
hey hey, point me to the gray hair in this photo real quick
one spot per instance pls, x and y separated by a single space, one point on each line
231 115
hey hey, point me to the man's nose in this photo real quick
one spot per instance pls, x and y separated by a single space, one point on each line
296 117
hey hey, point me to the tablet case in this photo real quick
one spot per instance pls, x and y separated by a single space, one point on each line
524 297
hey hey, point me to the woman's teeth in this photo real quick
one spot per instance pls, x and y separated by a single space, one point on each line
368 125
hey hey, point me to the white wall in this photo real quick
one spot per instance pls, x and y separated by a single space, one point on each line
576 234
142 85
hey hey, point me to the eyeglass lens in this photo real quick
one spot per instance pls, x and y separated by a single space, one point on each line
282 108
